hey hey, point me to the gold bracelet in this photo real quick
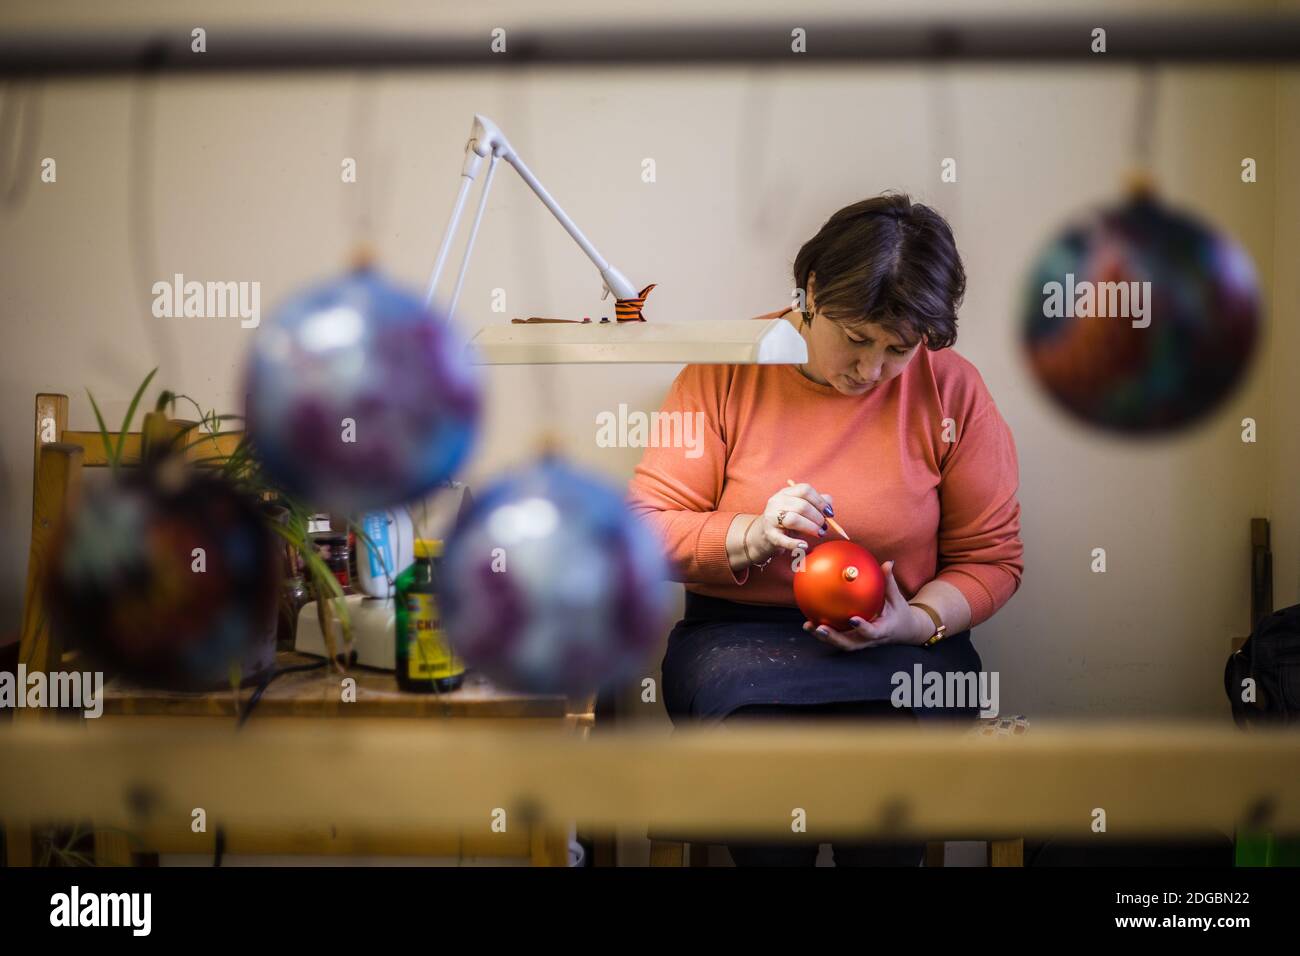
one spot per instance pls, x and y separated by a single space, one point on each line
744 543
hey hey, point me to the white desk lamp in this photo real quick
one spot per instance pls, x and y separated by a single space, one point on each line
706 341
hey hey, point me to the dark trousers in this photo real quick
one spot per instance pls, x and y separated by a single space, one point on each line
803 853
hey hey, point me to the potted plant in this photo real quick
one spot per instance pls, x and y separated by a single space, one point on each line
195 445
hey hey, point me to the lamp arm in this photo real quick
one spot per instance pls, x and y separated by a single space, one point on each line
486 139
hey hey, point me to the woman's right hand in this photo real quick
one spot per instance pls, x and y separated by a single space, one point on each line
793 509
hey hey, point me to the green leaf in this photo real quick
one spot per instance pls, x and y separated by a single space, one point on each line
103 434
208 429
329 594
130 412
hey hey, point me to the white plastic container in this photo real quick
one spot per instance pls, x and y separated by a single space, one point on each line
393 537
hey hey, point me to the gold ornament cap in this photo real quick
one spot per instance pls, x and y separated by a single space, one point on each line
1139 183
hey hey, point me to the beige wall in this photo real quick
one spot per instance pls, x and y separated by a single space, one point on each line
245 186
1284 375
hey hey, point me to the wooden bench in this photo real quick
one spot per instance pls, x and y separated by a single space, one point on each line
1004 852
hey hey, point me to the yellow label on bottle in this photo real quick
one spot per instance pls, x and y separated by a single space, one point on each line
428 656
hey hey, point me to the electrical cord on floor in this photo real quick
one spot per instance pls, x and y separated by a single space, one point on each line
261 688
220 848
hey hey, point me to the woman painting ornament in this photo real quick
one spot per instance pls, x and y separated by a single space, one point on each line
886 430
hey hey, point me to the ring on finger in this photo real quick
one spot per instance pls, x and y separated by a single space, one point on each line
780 519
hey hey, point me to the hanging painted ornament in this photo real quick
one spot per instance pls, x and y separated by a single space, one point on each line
1141 319
169 576
360 398
550 585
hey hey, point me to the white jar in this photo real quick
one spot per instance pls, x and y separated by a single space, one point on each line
390 551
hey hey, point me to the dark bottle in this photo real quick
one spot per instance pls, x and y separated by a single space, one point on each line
425 663
293 596
332 546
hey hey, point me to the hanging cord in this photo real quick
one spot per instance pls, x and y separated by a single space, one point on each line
756 194
20 124
1144 122
361 200
1145 119
142 235
945 133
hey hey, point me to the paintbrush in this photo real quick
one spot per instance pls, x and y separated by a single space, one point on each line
835 525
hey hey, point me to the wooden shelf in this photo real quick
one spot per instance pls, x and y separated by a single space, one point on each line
319 693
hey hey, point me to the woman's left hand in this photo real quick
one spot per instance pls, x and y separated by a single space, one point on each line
897 623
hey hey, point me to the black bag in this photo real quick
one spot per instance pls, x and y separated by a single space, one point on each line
1271 655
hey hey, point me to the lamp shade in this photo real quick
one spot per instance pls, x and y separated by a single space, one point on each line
706 342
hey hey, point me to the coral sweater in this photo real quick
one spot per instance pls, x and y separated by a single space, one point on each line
922 471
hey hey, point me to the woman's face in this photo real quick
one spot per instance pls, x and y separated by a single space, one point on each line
856 357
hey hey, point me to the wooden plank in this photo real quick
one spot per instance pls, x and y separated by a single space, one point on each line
319 693
550 846
201 445
51 422
96 454
112 848
604 848
1006 852
1151 779
329 840
55 490
18 845
58 485
667 853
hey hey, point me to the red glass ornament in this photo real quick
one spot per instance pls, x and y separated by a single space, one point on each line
839 580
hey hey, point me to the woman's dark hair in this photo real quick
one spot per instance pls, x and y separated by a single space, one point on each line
890 261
